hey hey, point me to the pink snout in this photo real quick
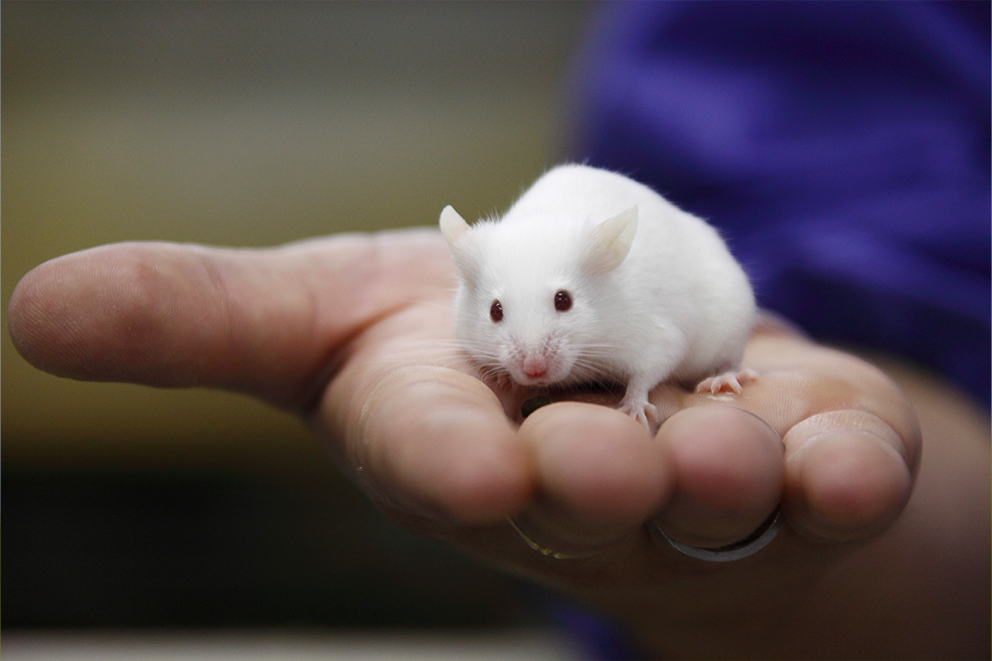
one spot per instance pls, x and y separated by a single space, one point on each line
535 367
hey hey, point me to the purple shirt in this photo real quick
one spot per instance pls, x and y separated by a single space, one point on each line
841 148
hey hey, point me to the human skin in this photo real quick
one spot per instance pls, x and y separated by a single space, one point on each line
885 551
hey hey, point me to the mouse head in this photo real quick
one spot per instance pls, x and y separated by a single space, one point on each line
529 301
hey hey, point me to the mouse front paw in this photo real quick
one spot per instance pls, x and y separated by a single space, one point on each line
642 411
727 382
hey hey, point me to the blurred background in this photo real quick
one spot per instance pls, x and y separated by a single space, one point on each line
129 508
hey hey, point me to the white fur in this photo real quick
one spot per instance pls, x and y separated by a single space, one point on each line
676 306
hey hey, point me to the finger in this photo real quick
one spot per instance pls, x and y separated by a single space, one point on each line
852 439
847 476
423 441
600 476
729 474
265 322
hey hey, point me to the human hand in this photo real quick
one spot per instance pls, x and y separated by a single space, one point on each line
353 333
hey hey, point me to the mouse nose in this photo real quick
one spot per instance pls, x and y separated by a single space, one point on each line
535 367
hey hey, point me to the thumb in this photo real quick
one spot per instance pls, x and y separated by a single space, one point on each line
267 322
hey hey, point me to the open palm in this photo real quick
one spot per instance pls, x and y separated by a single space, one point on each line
353 333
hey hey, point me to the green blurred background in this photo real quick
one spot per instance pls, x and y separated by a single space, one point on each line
242 124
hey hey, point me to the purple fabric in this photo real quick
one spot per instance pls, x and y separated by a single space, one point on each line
843 149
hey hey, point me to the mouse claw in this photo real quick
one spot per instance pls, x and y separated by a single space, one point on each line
727 382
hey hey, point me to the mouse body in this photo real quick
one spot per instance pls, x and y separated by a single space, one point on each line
592 276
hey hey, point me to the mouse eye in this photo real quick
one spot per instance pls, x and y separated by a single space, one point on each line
563 301
496 311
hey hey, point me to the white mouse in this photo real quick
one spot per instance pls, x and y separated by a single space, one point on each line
592 276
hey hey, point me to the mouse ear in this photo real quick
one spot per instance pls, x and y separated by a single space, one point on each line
610 241
455 231
453 226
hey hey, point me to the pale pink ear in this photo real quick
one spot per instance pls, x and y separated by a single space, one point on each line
610 241
463 253
453 226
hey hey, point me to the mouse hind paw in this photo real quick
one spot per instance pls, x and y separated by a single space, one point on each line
731 381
